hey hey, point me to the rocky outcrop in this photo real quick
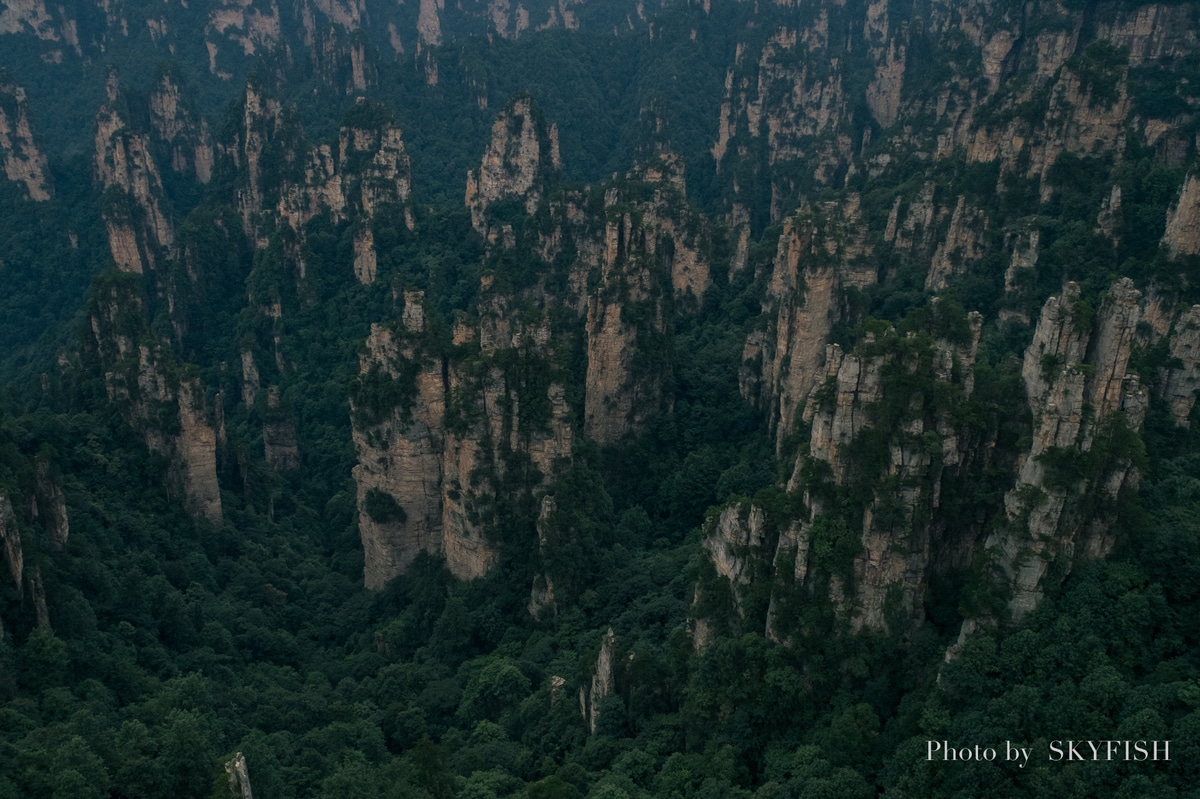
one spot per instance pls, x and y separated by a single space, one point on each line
10 537
24 162
239 777
542 600
434 435
882 451
900 522
1181 379
1072 364
429 24
367 172
162 402
734 541
189 141
37 592
280 445
884 91
1182 236
399 454
624 317
385 177
603 683
960 248
140 232
260 126
33 16
1025 250
196 446
783 104
241 27
820 251
49 505
515 164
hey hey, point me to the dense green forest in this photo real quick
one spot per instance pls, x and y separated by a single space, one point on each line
706 449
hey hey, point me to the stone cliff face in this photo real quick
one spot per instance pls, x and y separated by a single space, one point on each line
166 407
189 140
731 542
239 777
820 251
49 504
42 509
26 579
10 536
367 171
261 126
900 524
522 151
651 255
23 161
1070 365
795 124
784 106
431 465
603 683
856 102
622 391
1081 460
1180 380
140 232
1182 236
881 433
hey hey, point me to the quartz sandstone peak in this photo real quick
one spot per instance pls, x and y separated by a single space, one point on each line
514 164
603 683
23 161
1071 362
140 232
1182 236
820 251
429 465
166 408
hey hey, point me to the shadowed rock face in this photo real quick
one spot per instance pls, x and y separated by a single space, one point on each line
23 160
10 536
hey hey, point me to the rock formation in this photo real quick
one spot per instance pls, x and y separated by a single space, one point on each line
239 777
434 435
732 540
189 140
50 505
24 162
10 536
1069 365
162 403
1182 236
1180 380
280 446
603 683
820 251
140 231
522 151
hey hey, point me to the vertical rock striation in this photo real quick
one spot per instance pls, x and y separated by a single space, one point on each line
24 162
437 430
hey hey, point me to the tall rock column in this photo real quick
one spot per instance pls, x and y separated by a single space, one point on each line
1079 391
399 438
23 160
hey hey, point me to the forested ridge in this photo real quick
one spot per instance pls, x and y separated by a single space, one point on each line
566 399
